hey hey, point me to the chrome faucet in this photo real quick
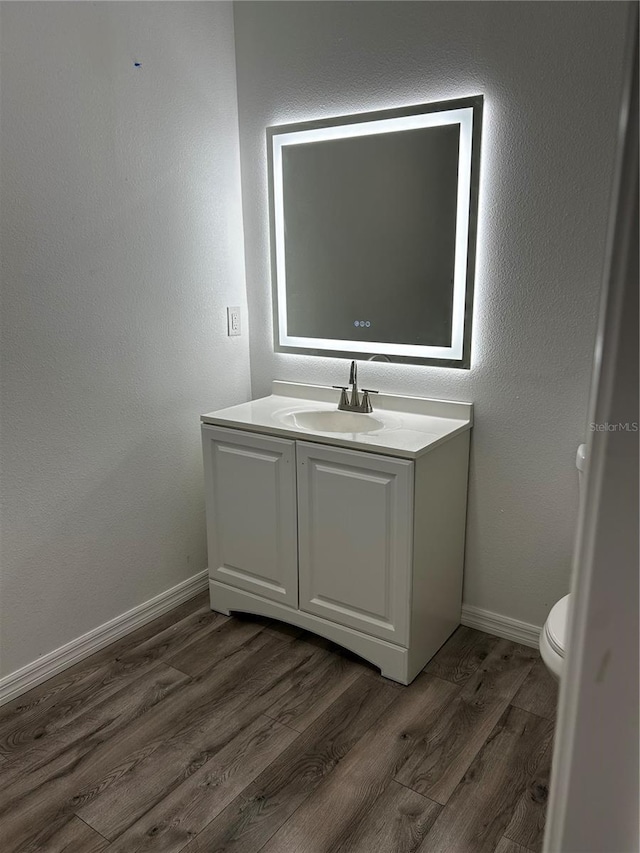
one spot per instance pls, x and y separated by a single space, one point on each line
356 403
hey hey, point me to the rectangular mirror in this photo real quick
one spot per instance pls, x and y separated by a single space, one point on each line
373 233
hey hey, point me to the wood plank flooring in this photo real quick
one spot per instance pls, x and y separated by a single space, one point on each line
207 734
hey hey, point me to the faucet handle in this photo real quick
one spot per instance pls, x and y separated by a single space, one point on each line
366 402
344 399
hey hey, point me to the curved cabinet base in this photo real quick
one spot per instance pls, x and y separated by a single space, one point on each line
395 662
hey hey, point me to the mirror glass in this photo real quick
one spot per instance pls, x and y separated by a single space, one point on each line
373 223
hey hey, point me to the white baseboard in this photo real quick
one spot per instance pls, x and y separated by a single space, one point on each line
52 663
501 626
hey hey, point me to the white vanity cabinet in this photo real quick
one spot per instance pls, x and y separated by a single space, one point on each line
250 496
355 513
363 548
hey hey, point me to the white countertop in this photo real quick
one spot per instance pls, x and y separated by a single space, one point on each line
410 426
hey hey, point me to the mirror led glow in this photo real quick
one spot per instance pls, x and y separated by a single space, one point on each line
388 123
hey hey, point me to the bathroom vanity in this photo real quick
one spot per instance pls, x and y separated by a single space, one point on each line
348 525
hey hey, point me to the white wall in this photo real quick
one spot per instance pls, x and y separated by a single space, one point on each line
551 74
121 247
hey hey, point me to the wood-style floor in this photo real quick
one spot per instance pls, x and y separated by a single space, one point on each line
203 734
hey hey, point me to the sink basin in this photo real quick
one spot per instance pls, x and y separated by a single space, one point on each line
334 420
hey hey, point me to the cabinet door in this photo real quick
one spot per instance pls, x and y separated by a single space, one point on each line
355 519
251 512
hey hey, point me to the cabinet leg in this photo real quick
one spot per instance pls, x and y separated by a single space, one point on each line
214 604
395 674
397 668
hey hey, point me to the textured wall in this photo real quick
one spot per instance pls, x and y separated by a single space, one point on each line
121 247
551 75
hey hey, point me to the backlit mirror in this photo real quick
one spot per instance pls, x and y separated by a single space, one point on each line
373 232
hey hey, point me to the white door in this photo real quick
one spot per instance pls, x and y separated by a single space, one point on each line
355 522
250 493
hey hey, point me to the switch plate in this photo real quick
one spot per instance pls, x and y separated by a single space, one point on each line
233 321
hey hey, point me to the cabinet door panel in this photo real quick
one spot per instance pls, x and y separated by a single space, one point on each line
355 524
251 512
